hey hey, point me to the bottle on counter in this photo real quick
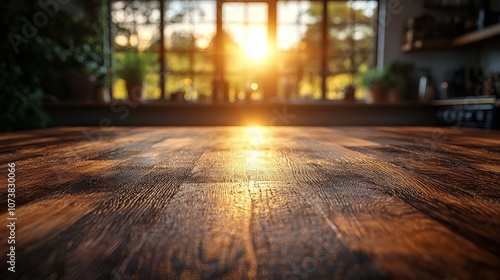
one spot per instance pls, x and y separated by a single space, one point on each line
426 87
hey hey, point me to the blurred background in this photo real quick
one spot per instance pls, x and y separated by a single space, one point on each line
65 60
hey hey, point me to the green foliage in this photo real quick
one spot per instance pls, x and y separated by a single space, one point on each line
396 81
21 92
351 36
394 76
132 67
22 107
397 74
32 65
374 78
402 67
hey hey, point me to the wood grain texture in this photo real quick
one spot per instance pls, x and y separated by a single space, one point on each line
254 203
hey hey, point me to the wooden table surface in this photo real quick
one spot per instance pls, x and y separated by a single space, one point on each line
253 203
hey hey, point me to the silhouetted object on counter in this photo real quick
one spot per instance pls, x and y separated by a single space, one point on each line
220 88
426 87
468 81
349 93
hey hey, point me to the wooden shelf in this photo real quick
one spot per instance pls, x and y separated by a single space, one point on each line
488 32
477 36
432 44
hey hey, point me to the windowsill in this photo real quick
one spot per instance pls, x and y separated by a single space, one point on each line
326 113
168 103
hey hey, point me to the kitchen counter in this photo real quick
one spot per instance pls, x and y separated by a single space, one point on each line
253 203
319 113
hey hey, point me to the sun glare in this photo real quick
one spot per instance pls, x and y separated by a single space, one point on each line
255 135
256 44
256 51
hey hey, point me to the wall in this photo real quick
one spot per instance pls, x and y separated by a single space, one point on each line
441 62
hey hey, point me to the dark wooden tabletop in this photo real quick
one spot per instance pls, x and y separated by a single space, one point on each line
253 203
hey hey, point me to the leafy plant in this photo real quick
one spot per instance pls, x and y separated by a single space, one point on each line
34 67
132 67
23 101
374 78
397 74
396 81
400 67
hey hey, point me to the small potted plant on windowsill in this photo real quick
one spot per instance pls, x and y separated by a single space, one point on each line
349 90
132 68
376 82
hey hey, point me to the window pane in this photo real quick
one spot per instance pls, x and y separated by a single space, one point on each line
135 24
246 40
151 79
205 11
335 85
201 88
178 62
233 12
203 62
179 37
135 27
310 86
298 22
193 88
351 42
190 28
177 86
204 34
257 13
189 36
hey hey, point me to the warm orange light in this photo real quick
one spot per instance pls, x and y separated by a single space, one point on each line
254 86
255 135
133 40
256 52
256 138
256 47
121 40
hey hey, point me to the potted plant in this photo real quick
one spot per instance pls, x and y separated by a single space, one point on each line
396 87
397 74
376 82
84 72
132 68
349 91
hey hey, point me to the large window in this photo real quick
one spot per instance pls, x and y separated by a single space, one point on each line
236 51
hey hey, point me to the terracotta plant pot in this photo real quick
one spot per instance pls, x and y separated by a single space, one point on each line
395 96
377 95
135 92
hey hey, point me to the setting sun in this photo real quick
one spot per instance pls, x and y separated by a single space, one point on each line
252 40
256 47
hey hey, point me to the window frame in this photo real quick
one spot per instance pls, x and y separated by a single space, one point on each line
219 73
